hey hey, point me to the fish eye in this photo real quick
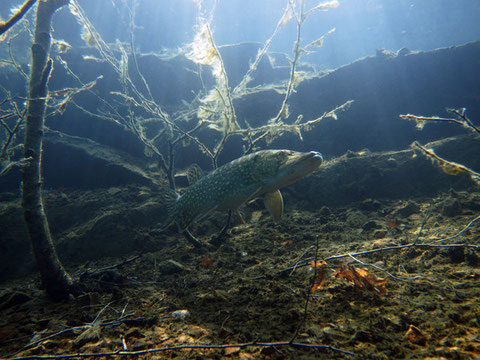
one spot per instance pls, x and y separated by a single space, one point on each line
282 155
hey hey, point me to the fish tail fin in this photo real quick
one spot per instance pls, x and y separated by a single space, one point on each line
169 199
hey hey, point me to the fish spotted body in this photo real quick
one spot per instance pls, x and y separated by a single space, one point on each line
231 185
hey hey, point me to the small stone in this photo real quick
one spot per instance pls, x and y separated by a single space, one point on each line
406 210
394 321
325 211
114 191
451 207
169 267
13 298
180 314
356 219
472 257
8 333
42 323
371 224
456 254
370 205
379 234
333 333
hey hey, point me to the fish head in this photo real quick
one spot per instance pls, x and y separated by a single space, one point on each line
279 168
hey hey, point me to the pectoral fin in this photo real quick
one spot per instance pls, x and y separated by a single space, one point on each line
274 204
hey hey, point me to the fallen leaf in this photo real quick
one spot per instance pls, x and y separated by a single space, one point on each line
231 350
244 356
206 262
415 336
392 224
361 278
321 272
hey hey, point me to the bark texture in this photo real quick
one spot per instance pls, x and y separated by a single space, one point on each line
55 280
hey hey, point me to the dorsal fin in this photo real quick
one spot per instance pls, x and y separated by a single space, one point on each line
194 173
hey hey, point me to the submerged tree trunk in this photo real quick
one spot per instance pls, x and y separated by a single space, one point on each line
55 280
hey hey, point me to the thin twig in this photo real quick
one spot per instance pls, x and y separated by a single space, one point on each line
461 119
300 258
461 114
51 335
379 268
432 244
308 294
449 167
460 232
116 266
182 347
5 26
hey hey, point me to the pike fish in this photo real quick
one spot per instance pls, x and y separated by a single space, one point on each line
231 185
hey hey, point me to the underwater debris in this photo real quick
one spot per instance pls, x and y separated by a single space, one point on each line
392 224
415 336
180 315
319 42
218 106
448 167
88 37
61 46
321 272
206 262
91 334
461 119
169 267
361 278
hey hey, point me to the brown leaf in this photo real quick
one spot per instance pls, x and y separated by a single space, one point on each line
392 224
320 278
231 350
206 262
415 336
361 278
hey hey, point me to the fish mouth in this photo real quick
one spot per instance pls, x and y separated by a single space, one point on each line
298 166
314 155
305 162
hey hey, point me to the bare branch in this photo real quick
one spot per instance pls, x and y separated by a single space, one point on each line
461 119
5 26
449 167
180 347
